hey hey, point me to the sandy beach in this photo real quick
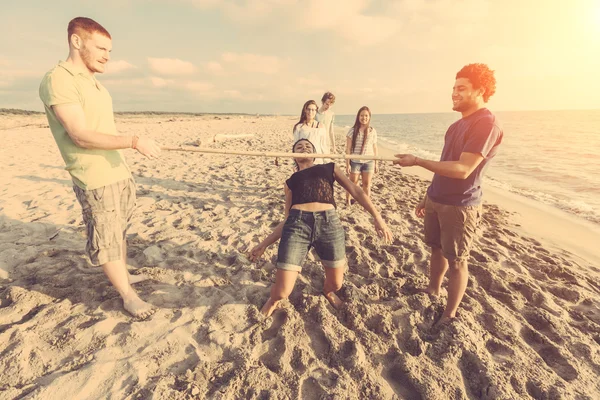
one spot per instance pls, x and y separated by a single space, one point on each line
528 327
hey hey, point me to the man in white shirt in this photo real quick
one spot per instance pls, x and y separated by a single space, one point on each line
326 117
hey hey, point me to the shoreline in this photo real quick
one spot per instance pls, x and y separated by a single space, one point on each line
557 228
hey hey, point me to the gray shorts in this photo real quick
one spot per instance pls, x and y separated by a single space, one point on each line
106 213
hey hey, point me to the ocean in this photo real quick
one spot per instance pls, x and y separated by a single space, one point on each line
552 157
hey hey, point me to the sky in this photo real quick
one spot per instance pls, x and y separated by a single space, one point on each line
270 56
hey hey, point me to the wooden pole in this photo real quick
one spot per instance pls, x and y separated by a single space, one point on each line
276 154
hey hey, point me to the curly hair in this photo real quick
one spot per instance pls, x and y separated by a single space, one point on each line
480 76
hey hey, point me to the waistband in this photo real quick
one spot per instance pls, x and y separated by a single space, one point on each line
315 214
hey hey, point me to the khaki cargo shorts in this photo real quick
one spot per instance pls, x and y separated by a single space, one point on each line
106 213
451 228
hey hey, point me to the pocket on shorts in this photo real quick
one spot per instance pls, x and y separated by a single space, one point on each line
98 194
105 230
291 219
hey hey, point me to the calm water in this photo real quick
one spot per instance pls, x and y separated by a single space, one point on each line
550 156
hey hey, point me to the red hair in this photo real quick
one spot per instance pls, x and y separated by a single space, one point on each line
84 27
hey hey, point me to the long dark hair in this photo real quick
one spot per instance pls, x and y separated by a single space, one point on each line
356 128
294 147
303 114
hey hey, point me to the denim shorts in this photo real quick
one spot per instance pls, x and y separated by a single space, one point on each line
367 166
305 229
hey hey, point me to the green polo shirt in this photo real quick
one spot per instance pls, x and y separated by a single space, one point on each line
90 169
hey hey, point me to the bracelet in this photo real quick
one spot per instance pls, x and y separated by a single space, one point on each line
134 141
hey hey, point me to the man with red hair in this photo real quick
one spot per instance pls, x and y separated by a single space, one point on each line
452 205
80 114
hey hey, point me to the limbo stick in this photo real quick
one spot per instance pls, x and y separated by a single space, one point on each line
276 154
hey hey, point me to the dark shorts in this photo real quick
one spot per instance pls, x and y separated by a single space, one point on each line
451 228
303 230
106 213
366 166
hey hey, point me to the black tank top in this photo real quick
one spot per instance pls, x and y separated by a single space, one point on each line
313 185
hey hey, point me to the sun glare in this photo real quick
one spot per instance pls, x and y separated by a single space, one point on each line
595 14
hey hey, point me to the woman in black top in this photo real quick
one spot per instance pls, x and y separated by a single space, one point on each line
311 221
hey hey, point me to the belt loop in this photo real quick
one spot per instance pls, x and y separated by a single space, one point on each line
326 215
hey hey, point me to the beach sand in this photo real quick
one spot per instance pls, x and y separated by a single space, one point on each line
528 327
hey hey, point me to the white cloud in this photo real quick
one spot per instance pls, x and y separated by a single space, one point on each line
197 86
234 94
351 20
114 67
171 66
310 81
254 62
159 82
214 68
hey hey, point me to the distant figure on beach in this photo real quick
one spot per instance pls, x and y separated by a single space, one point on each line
361 139
309 128
326 117
452 204
80 114
311 221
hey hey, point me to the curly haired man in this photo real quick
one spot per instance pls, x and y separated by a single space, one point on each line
452 204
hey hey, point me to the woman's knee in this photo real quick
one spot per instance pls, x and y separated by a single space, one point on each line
333 283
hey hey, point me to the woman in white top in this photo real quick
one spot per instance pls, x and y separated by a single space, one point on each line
309 128
362 140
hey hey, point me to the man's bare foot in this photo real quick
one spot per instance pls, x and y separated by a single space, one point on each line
269 307
333 299
138 308
136 278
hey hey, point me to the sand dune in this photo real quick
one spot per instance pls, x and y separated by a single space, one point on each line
529 326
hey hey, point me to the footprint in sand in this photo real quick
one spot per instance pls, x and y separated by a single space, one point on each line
401 383
550 354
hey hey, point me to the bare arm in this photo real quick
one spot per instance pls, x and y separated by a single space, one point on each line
72 118
331 133
274 236
364 201
460 169
348 146
375 154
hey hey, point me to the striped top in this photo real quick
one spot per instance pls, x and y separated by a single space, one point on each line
368 148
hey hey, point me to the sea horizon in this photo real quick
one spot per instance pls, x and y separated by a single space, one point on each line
159 112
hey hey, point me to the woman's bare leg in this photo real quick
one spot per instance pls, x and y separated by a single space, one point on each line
366 182
334 278
354 178
281 289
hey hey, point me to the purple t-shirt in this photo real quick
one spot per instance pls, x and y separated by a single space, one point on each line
480 133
